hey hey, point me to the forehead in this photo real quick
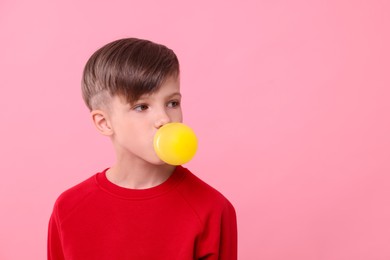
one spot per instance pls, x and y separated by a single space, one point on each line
170 87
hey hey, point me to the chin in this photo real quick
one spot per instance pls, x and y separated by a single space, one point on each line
157 161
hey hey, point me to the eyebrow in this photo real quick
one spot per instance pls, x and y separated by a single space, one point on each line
175 94
144 98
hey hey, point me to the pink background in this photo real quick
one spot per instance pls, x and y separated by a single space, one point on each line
290 101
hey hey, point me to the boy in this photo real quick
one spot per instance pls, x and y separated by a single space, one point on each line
140 208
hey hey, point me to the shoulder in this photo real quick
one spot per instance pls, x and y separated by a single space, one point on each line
203 197
217 217
75 196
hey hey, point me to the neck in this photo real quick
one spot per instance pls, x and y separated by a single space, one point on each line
137 174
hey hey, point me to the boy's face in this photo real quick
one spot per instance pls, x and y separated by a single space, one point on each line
134 125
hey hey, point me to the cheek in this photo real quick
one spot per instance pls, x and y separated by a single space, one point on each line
178 116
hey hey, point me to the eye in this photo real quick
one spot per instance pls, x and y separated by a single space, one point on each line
141 107
174 103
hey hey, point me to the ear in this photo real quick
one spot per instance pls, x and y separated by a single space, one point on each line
102 122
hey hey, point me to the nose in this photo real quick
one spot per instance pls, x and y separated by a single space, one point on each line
162 119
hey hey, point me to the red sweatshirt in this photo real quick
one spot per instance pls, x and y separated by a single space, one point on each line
183 218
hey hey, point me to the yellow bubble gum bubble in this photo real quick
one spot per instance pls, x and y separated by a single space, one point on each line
175 143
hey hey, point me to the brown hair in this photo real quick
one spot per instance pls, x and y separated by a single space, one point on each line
128 68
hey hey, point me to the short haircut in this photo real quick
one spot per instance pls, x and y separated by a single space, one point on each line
128 68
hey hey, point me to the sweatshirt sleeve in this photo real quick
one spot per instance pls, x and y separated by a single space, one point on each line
219 236
54 246
228 236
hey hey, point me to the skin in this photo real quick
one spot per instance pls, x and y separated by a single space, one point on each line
131 128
